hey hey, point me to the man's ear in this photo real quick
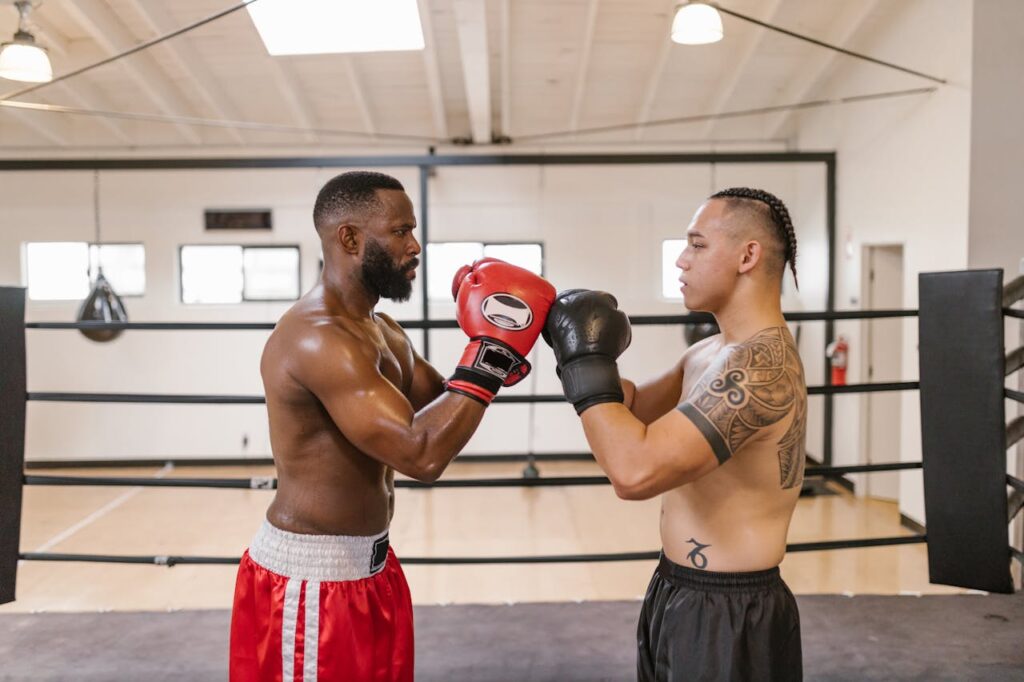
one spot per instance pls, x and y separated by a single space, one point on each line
349 238
750 256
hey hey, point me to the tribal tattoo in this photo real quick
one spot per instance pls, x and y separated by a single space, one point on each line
756 385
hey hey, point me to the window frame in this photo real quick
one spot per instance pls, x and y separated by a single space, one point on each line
88 268
298 272
485 244
661 272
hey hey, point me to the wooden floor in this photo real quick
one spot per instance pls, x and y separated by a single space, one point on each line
445 522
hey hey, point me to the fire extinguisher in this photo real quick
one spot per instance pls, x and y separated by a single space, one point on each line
837 352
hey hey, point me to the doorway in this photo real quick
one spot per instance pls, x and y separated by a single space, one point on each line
882 341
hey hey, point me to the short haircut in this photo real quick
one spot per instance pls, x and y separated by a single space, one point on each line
352 192
774 217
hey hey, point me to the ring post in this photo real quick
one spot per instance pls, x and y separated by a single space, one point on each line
963 428
12 433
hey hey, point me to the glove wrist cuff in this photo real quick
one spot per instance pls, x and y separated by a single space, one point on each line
469 389
591 380
482 381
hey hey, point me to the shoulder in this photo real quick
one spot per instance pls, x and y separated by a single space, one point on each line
698 356
310 345
749 387
388 324
768 358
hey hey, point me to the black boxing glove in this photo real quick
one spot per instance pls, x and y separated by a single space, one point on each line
588 332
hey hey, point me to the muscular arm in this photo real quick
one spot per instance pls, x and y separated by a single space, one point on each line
657 397
427 383
753 387
374 415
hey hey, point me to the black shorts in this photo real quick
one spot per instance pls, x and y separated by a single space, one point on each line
700 625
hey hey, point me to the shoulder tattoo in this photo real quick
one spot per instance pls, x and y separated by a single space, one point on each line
756 385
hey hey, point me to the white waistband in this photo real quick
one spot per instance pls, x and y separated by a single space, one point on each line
318 557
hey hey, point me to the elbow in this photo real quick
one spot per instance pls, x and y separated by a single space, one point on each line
425 472
632 487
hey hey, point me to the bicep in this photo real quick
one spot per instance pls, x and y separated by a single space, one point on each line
658 396
427 383
676 453
369 411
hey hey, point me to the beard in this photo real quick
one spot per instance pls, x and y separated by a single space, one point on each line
382 276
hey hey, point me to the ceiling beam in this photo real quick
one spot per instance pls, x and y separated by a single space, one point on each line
506 68
291 93
584 64
359 94
100 22
57 132
161 23
84 94
471 27
433 72
800 87
738 61
643 114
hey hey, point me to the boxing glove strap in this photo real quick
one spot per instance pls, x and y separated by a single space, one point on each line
469 390
591 380
486 382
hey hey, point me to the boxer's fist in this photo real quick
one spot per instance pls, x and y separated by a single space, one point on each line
461 273
502 308
588 332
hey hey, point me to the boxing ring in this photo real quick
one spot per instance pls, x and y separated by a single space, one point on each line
969 497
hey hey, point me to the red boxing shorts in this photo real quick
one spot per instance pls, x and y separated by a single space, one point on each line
320 607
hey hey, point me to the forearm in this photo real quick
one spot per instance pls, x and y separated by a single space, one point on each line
617 439
439 432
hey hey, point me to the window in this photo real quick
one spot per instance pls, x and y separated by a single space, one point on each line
124 266
65 271
235 273
447 257
670 250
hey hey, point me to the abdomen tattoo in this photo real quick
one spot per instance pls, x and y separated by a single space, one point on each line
757 385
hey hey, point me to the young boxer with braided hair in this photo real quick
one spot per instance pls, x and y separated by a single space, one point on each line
319 593
720 437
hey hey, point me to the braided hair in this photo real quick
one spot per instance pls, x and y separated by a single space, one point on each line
779 219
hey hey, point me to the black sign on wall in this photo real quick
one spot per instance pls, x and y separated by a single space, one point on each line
254 219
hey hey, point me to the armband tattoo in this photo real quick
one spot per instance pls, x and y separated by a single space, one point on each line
755 386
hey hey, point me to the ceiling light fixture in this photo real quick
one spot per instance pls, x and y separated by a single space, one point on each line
21 59
696 23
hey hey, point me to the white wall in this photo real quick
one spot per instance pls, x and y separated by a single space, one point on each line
602 227
902 179
997 150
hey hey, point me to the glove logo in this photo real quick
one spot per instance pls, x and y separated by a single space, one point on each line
507 311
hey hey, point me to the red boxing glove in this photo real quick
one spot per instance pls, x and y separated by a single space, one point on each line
461 273
502 308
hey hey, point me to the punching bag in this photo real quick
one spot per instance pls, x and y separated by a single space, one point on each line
102 305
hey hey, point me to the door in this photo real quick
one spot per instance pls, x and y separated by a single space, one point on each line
883 352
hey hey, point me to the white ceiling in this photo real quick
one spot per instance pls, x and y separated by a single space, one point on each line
515 68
